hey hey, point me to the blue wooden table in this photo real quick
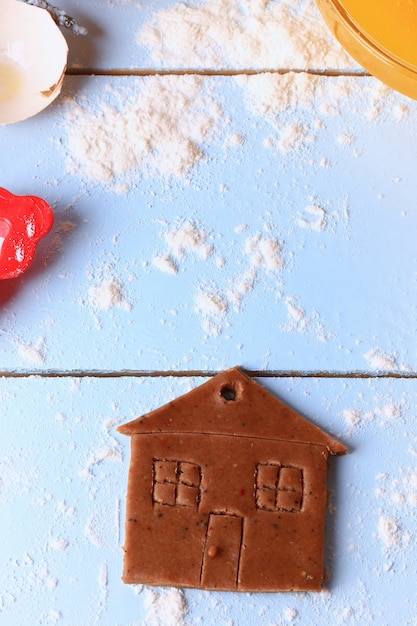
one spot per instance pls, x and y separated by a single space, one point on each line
209 212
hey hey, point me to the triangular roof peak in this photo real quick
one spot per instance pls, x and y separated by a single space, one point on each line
232 403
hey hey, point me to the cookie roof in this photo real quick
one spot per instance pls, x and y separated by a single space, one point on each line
232 403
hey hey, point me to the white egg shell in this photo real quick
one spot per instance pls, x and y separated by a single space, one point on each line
33 60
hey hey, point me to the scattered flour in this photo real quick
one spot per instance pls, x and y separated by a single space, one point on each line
345 140
156 127
301 322
55 615
265 252
107 295
181 241
34 353
316 220
290 614
58 544
188 238
92 532
297 314
13 480
389 531
269 95
106 453
264 255
212 306
234 140
165 608
379 96
243 285
293 137
389 413
284 99
380 361
385 415
161 126
401 111
352 417
243 34
103 577
400 491
165 263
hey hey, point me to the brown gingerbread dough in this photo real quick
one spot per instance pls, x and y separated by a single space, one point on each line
227 490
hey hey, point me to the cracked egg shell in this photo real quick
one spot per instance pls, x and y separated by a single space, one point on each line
33 60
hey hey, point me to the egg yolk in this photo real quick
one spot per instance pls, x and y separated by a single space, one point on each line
391 24
10 81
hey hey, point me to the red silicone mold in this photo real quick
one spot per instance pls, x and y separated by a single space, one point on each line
24 221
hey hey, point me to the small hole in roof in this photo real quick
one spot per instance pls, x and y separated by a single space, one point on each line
228 393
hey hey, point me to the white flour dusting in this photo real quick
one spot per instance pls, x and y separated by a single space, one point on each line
188 238
103 577
316 219
165 263
386 415
92 528
106 453
243 34
401 111
212 306
242 285
58 544
55 615
271 94
165 608
301 322
107 295
162 126
282 100
35 353
156 127
265 252
182 241
400 490
292 137
389 413
290 614
389 531
297 315
345 140
379 360
352 417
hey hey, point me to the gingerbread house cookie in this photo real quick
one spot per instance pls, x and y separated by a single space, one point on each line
227 490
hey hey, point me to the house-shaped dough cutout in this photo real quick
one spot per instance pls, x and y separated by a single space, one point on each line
227 490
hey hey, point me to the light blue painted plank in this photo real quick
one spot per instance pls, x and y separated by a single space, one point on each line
63 483
211 35
311 260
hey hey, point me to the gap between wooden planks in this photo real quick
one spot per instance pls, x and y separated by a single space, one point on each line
90 71
205 374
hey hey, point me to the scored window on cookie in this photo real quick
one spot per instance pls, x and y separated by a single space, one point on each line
176 483
278 487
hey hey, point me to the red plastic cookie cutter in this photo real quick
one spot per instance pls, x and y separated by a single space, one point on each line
24 220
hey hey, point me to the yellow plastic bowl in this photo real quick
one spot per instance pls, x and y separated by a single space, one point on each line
381 35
